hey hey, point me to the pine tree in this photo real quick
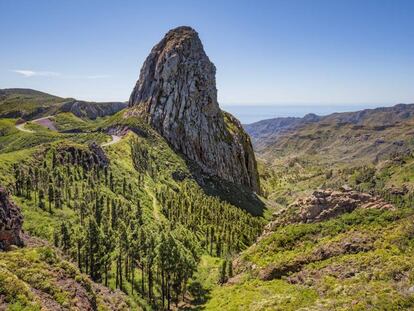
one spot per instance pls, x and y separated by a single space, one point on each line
223 278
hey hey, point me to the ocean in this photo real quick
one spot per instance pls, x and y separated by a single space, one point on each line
250 113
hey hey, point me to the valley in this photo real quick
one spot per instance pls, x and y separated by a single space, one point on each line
324 250
168 203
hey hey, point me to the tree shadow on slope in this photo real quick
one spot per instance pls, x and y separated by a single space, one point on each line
237 195
199 296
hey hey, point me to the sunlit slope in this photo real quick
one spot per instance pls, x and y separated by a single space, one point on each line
135 195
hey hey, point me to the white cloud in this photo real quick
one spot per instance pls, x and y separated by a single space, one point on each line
98 77
31 73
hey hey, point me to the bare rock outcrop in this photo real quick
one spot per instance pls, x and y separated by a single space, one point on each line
176 93
11 221
323 205
92 110
98 155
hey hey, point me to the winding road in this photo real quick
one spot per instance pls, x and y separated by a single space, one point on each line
115 139
20 127
44 121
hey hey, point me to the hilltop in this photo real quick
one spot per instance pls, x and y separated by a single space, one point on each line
31 104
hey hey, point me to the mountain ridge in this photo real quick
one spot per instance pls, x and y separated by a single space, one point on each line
31 104
265 131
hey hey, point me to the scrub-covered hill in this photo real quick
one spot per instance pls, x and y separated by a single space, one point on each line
341 237
31 104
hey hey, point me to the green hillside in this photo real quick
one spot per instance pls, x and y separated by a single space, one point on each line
359 260
110 209
15 103
130 215
30 104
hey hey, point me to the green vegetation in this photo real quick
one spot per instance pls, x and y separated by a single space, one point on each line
133 217
258 295
25 273
66 122
140 224
357 261
15 103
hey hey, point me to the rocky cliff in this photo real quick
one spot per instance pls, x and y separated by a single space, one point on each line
176 93
92 110
11 221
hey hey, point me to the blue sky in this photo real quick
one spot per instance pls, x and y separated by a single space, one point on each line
326 52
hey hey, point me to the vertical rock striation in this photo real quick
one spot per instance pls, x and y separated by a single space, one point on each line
11 221
176 93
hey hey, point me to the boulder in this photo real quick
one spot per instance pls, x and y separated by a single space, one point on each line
11 221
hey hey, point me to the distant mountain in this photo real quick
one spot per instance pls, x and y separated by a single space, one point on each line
30 104
349 136
265 130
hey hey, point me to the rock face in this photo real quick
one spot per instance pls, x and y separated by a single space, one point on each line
98 155
323 205
176 93
11 221
92 110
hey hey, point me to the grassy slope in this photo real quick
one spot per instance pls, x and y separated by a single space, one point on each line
26 102
378 278
328 154
36 277
20 147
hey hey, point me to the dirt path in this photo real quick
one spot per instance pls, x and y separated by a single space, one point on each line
115 139
156 208
20 127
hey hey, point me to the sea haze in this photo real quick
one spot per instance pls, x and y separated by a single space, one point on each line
249 113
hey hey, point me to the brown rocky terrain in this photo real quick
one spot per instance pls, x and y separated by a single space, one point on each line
323 205
176 93
11 221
